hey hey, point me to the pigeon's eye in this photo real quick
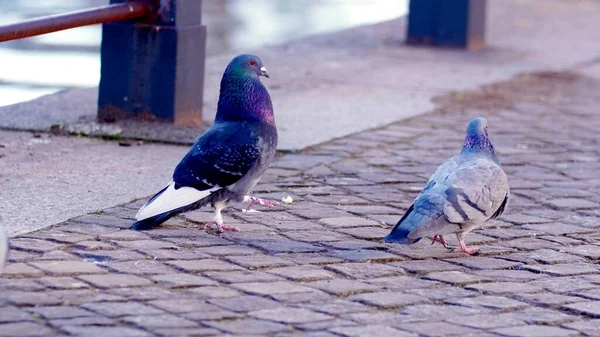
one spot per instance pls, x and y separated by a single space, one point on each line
252 63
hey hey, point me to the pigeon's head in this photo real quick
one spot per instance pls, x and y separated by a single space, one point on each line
247 64
477 139
477 127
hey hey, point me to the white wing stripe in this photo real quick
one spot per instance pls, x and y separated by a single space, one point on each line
172 199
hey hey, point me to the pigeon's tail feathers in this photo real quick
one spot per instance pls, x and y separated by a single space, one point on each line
169 199
152 221
399 233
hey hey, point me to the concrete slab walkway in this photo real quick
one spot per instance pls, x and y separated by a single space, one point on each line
318 267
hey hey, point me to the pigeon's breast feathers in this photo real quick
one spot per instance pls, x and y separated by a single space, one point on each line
243 97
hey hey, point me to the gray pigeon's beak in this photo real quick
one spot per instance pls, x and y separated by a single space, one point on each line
264 72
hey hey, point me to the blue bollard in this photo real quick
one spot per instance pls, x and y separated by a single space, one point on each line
154 70
448 23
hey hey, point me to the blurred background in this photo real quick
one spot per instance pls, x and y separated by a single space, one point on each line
37 66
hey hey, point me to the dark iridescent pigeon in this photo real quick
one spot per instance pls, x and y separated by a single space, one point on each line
464 192
227 161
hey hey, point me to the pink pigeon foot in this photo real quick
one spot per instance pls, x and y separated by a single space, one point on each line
463 248
262 202
442 240
220 228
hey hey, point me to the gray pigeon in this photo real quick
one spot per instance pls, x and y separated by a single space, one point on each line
228 160
3 248
464 192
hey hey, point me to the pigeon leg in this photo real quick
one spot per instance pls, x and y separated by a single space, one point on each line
463 246
218 222
260 201
442 240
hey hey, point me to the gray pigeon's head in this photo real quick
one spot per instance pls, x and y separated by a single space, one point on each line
477 139
477 127
246 65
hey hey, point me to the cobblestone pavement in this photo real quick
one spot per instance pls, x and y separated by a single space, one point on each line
318 267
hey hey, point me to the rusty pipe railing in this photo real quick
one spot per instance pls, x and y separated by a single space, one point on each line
152 68
53 23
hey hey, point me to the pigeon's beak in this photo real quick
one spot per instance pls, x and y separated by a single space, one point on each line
264 72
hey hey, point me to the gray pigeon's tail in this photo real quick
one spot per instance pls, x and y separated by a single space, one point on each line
154 221
399 233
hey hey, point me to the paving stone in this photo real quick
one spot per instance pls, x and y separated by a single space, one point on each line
441 329
548 299
590 308
20 269
33 245
242 276
371 330
504 287
143 294
102 256
141 267
95 320
563 269
546 256
203 265
159 321
68 267
119 309
80 296
315 327
426 266
286 246
347 222
290 315
510 275
316 236
14 314
93 245
213 292
177 280
22 298
388 300
229 250
593 294
271 288
114 280
125 235
541 316
299 298
535 331
187 332
342 287
589 251
310 258
455 277
367 233
590 327
437 311
572 203
484 263
104 331
336 307
245 303
303 273
58 255
401 282
56 312
147 244
488 321
493 302
249 326
25 329
442 293
365 270
252 262
364 255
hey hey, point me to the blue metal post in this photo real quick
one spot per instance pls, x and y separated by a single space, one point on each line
154 70
451 23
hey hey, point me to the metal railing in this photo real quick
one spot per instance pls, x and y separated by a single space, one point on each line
152 57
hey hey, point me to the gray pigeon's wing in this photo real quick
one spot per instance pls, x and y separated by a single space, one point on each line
477 190
472 192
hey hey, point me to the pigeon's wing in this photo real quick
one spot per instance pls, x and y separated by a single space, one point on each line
470 194
221 156
477 191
